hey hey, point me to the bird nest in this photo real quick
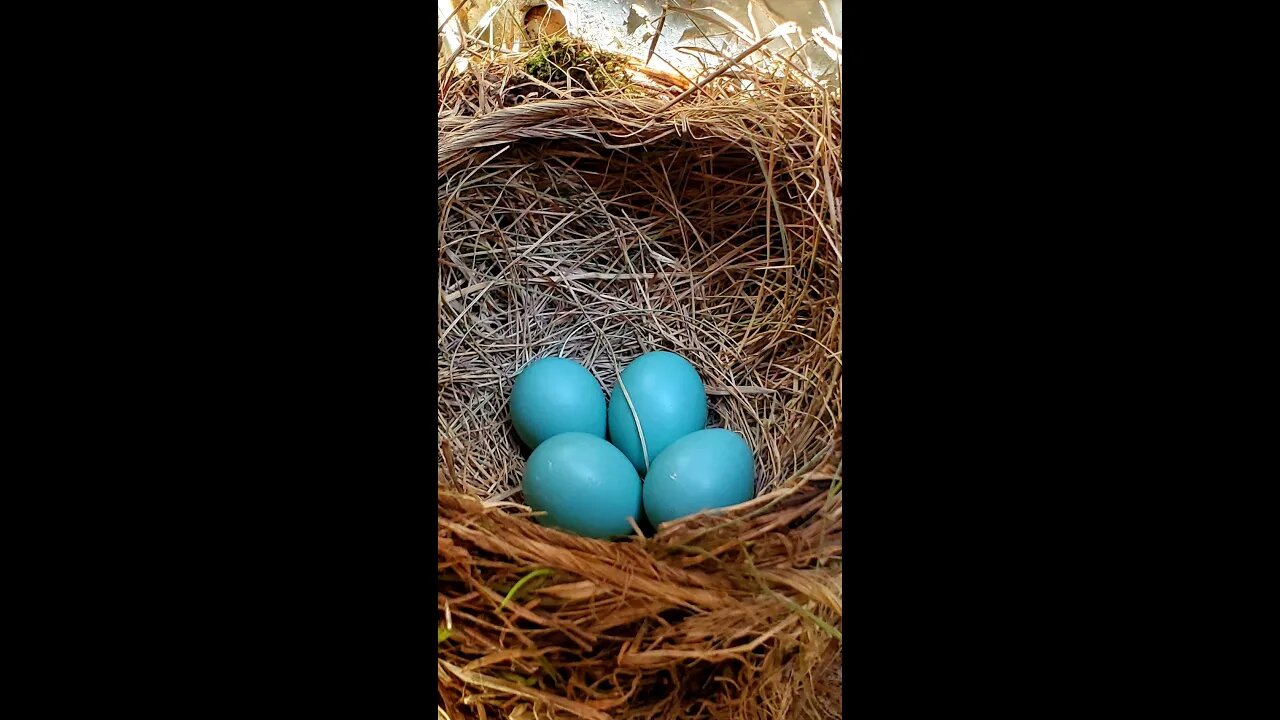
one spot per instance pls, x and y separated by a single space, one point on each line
699 216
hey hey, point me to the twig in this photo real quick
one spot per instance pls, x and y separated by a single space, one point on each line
720 71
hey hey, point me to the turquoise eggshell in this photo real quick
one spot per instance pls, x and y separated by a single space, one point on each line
669 399
555 395
711 468
584 484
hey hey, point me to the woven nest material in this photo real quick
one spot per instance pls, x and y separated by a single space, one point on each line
598 224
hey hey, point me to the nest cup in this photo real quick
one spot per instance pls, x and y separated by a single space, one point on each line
597 224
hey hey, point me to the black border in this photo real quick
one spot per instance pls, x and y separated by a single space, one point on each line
275 426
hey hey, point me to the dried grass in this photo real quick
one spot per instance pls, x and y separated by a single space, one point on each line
598 224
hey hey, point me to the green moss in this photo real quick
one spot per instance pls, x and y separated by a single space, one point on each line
560 58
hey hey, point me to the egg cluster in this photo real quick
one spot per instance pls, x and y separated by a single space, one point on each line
655 421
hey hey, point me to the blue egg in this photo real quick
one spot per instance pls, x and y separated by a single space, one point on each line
711 468
554 395
584 484
669 399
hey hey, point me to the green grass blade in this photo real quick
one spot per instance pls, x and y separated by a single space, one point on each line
516 588
822 625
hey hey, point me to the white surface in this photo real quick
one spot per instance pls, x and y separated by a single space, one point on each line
627 26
